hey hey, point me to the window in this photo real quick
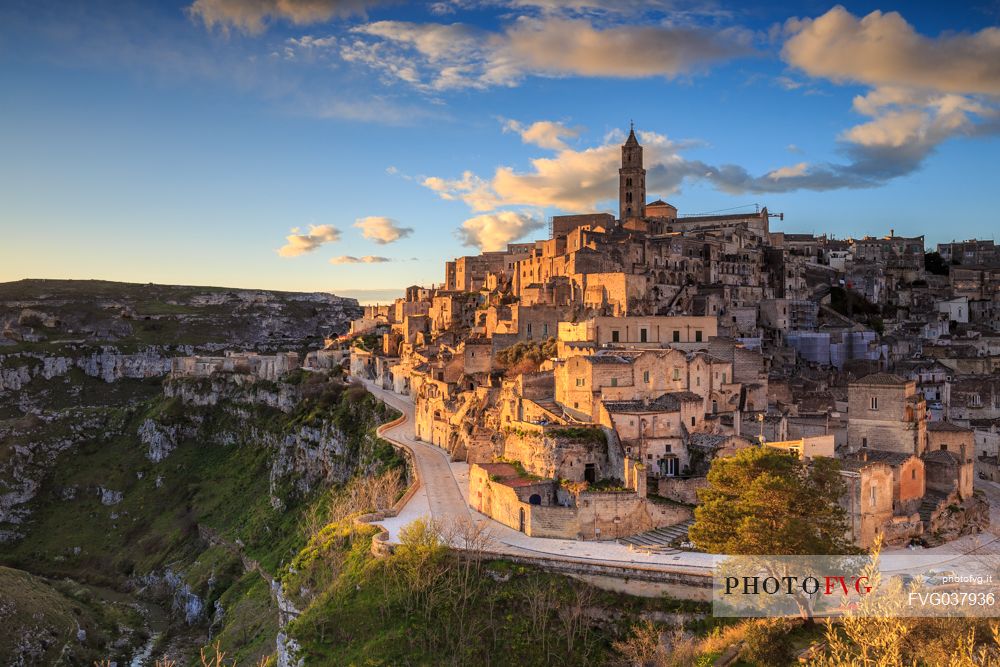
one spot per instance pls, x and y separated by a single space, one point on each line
874 403
614 382
579 382
677 336
715 407
667 448
864 442
677 374
697 381
944 448
913 474
529 329
642 335
872 489
614 336
692 421
697 336
545 330
645 377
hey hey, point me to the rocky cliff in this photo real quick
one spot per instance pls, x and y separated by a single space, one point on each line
112 476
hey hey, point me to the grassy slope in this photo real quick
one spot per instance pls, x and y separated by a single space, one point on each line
42 620
367 611
225 487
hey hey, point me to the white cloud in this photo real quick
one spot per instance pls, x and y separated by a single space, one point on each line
367 259
883 49
381 230
493 231
542 133
300 244
439 56
926 90
253 16
570 180
580 180
471 189
788 172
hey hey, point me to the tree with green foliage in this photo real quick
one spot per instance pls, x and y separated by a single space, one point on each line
526 356
934 263
764 501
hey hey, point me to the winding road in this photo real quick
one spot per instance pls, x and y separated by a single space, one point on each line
443 496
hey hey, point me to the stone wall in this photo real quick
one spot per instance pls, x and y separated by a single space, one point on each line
868 502
681 489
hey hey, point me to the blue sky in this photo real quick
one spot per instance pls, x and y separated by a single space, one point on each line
183 142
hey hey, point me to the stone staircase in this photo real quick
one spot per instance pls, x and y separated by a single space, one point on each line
930 503
660 540
932 500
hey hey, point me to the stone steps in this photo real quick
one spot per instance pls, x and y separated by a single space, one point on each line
930 503
659 540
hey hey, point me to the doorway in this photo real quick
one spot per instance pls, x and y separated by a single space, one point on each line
668 467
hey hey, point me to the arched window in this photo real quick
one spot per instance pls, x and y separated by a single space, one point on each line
535 499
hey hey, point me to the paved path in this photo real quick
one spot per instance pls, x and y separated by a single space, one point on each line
444 496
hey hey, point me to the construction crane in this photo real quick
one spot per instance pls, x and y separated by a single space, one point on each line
779 216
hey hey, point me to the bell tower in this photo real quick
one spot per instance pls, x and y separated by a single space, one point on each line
631 180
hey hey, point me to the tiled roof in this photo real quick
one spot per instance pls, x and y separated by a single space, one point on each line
669 402
711 440
947 427
607 359
884 379
879 456
941 456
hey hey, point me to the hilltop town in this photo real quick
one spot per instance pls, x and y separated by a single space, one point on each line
590 378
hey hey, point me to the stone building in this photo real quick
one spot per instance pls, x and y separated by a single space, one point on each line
641 332
631 180
953 470
260 366
543 508
886 412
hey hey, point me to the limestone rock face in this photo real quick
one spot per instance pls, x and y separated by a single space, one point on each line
236 389
28 460
160 440
109 496
969 517
310 456
107 363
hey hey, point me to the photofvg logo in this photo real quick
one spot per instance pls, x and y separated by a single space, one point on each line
897 584
792 585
